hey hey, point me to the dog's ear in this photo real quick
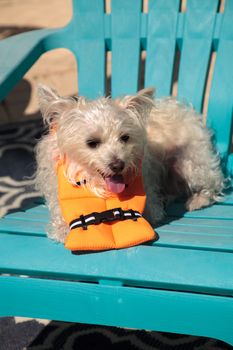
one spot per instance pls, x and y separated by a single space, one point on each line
52 105
141 102
46 96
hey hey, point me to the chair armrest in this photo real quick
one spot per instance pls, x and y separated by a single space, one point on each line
17 54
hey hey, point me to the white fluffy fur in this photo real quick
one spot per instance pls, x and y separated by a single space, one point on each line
169 137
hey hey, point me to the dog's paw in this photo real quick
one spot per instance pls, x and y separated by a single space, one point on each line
197 201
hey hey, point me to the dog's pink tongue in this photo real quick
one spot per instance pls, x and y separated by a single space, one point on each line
115 183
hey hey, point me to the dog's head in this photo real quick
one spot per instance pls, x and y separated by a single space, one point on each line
101 140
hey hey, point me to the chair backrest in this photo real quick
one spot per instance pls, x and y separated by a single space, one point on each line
164 33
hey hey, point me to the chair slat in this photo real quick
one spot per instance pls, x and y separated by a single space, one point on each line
186 240
21 215
196 50
126 19
203 223
25 227
161 44
118 306
217 211
230 171
196 233
221 94
38 209
88 45
158 271
200 230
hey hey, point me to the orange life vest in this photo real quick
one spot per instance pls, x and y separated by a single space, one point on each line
124 225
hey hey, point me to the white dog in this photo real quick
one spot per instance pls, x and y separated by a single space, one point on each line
106 141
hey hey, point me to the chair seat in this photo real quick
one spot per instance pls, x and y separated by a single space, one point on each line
193 253
182 283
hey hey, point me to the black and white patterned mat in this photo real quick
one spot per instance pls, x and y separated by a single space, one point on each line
16 191
17 161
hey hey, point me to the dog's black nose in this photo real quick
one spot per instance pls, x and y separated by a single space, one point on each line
117 166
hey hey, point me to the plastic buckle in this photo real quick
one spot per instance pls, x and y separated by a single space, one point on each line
82 219
121 215
97 218
107 216
132 212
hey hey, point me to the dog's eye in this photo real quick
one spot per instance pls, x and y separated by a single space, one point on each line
93 143
124 138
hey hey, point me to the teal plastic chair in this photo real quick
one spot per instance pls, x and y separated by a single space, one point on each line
182 283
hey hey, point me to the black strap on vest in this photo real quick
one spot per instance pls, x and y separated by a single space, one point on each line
96 218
